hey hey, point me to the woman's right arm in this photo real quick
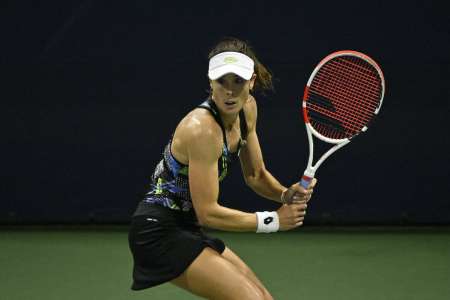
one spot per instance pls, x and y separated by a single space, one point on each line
204 147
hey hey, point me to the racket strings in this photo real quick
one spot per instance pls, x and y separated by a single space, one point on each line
343 97
325 120
336 116
343 130
343 82
354 124
363 116
361 84
361 68
365 83
334 131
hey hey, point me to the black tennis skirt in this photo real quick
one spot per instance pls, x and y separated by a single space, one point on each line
164 242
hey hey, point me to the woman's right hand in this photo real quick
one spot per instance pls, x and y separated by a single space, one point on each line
291 215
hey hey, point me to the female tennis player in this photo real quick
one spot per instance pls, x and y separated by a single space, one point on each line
166 239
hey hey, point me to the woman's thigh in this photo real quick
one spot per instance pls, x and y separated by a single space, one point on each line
212 276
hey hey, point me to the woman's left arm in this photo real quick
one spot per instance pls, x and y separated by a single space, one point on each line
256 176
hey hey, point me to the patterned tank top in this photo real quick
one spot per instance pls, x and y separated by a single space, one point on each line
170 181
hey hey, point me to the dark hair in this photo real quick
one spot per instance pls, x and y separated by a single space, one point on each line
263 80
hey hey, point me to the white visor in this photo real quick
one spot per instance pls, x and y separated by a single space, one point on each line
230 62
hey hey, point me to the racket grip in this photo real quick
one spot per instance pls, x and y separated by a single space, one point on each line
304 182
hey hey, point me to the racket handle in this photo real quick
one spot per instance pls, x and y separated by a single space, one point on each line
308 175
305 181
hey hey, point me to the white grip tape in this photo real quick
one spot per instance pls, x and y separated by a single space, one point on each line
268 221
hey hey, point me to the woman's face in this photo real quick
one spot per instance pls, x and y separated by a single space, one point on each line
230 92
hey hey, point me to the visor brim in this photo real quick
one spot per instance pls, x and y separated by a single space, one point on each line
227 69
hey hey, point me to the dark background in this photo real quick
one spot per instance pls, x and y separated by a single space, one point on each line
92 91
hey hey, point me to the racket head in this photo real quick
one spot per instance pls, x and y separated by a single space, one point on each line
343 94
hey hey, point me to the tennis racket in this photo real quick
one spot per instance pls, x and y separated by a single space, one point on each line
343 94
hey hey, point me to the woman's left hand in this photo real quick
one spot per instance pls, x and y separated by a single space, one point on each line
297 193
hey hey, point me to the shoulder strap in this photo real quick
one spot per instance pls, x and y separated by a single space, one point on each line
212 108
243 125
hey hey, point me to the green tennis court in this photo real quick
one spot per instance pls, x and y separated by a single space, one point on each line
313 263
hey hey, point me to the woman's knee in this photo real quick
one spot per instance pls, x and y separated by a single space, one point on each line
259 291
247 272
213 277
250 291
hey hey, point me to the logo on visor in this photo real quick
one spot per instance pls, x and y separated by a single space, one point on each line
230 60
